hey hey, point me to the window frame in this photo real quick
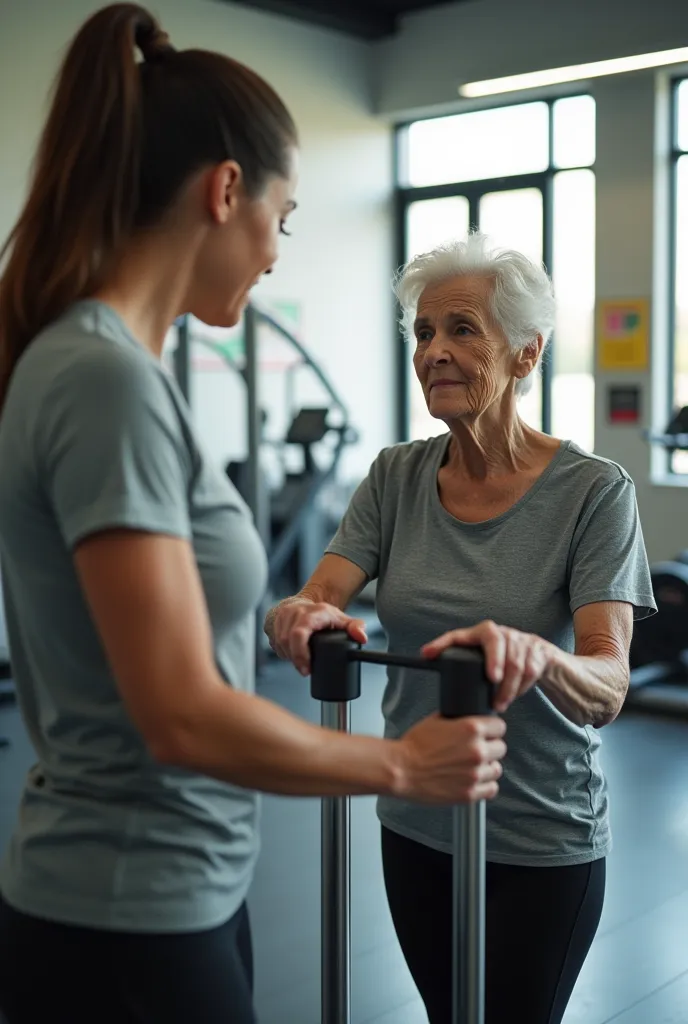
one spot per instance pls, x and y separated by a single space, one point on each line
675 155
405 195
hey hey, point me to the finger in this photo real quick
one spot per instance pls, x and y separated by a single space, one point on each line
495 750
536 664
514 667
299 646
489 772
306 622
356 630
494 645
488 727
483 791
455 638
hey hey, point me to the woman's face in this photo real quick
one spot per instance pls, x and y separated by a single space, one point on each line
462 358
242 243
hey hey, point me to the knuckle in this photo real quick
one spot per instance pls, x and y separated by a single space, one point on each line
476 752
472 728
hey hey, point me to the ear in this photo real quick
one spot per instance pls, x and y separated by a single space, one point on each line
527 358
224 188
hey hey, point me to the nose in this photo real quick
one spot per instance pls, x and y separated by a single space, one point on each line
437 352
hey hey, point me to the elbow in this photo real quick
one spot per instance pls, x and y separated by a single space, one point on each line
174 743
611 709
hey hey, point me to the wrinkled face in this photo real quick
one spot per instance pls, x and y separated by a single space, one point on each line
242 243
462 358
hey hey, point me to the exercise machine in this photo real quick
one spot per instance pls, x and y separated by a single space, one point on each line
464 689
288 480
299 527
659 649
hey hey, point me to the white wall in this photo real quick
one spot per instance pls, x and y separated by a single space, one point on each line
338 263
420 71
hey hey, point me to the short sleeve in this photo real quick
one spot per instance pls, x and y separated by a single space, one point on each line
111 450
359 536
608 561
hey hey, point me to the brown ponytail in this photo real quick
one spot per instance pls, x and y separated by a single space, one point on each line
120 141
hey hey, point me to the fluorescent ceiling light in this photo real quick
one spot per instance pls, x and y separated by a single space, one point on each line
574 73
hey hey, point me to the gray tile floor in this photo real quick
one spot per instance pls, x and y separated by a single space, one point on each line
637 972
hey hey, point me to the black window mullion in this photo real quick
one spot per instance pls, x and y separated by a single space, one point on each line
473 192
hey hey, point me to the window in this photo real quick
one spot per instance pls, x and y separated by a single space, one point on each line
679 363
539 197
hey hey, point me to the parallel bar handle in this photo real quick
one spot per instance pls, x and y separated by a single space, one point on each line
464 690
335 674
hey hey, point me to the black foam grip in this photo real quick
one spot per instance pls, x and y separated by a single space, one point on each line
464 686
334 677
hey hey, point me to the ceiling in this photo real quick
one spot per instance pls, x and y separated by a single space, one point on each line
366 19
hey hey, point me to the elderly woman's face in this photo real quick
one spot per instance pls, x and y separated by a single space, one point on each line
462 357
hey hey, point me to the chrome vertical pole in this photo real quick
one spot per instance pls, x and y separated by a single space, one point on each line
336 890
469 914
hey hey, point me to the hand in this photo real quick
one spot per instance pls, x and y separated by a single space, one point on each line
295 623
448 761
514 660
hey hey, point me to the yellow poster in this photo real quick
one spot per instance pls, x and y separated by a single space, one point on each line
623 332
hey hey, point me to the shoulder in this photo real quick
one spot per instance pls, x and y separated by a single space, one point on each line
592 473
81 360
409 458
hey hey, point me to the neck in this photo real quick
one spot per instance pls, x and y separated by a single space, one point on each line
149 285
493 444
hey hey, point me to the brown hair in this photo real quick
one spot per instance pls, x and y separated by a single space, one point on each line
121 139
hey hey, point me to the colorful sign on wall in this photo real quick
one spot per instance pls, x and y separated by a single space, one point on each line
623 332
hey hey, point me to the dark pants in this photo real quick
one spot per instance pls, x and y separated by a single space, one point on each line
60 974
539 928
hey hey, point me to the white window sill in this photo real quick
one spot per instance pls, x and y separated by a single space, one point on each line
670 480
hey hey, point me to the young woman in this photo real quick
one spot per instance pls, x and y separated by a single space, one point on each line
131 567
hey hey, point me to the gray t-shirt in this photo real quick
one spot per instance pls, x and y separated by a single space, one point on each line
96 435
573 539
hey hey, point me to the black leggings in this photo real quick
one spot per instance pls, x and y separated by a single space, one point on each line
540 925
69 975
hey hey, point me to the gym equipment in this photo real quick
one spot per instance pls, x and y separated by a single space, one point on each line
463 690
298 530
289 518
659 649
675 437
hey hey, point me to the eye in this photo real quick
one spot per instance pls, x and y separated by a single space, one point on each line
463 330
283 229
424 335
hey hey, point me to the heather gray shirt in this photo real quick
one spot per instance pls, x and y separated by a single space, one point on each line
573 539
95 435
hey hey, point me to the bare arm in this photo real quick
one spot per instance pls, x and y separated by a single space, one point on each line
146 599
590 686
321 604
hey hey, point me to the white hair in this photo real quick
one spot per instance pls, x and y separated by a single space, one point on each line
522 298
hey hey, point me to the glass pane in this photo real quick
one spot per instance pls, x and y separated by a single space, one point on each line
513 220
430 222
482 144
680 459
574 132
433 221
682 110
573 379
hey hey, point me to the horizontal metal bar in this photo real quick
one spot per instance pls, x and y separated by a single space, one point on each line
400 660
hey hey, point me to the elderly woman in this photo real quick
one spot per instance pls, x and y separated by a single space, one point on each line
494 534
